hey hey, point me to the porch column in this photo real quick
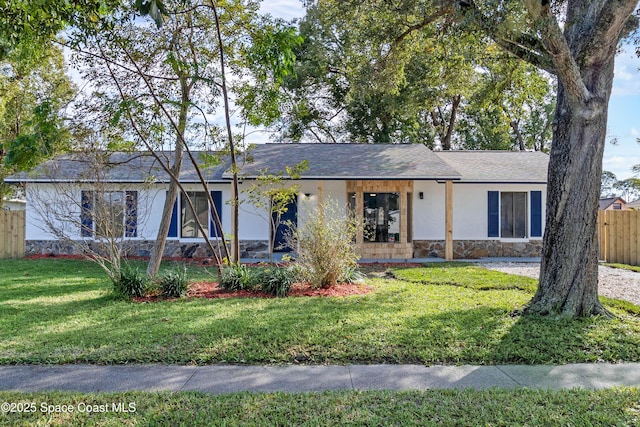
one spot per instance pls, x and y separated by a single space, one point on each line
448 243
360 215
321 195
403 217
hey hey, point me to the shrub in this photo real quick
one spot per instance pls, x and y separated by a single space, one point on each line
351 274
326 244
277 281
174 283
131 282
239 277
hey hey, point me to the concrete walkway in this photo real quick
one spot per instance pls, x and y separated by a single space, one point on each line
231 378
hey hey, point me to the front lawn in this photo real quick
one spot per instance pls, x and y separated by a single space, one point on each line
634 268
62 311
371 408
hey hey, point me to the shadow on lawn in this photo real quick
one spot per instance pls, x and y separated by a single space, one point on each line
398 323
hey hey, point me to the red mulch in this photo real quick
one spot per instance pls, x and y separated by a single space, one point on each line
212 291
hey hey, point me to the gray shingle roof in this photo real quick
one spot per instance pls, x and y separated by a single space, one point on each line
634 205
606 202
350 161
498 166
120 167
326 161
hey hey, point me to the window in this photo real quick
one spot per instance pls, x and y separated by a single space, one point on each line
513 215
189 225
184 222
109 214
382 217
617 206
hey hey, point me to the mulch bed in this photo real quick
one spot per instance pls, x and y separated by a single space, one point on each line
211 290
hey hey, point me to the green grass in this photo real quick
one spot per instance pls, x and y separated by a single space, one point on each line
370 408
622 266
62 311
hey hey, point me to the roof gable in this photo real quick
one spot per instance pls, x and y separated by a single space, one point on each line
606 202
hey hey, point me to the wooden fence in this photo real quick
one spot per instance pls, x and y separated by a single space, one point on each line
618 236
12 234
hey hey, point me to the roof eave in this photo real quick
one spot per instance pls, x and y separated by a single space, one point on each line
486 181
372 178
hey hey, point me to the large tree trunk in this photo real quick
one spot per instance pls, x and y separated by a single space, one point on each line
583 54
569 269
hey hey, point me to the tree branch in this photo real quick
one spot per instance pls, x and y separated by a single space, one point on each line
523 46
610 29
538 58
420 25
556 44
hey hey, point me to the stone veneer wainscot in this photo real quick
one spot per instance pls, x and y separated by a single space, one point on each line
258 249
474 249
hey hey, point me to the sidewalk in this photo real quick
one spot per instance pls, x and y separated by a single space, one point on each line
311 378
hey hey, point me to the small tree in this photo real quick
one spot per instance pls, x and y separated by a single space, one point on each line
272 195
326 243
92 219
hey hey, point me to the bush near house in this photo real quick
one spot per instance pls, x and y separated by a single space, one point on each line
272 280
326 245
132 282
174 283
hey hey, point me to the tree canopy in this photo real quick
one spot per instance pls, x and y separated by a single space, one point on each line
408 72
34 92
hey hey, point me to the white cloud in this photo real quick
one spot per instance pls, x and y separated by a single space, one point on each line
623 73
620 165
634 132
626 80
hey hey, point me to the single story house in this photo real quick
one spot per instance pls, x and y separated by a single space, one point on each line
613 204
414 202
634 205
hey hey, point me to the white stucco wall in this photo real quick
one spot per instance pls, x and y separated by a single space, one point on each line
57 206
470 207
428 213
254 222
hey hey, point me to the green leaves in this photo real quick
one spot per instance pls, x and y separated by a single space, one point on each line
41 20
409 72
154 8
270 58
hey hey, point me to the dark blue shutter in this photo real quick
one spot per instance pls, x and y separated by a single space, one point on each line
494 214
536 214
173 225
131 216
86 213
214 231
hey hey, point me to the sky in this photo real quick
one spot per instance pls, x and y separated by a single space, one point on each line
622 150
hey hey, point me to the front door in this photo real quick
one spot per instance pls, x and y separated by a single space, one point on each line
287 220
